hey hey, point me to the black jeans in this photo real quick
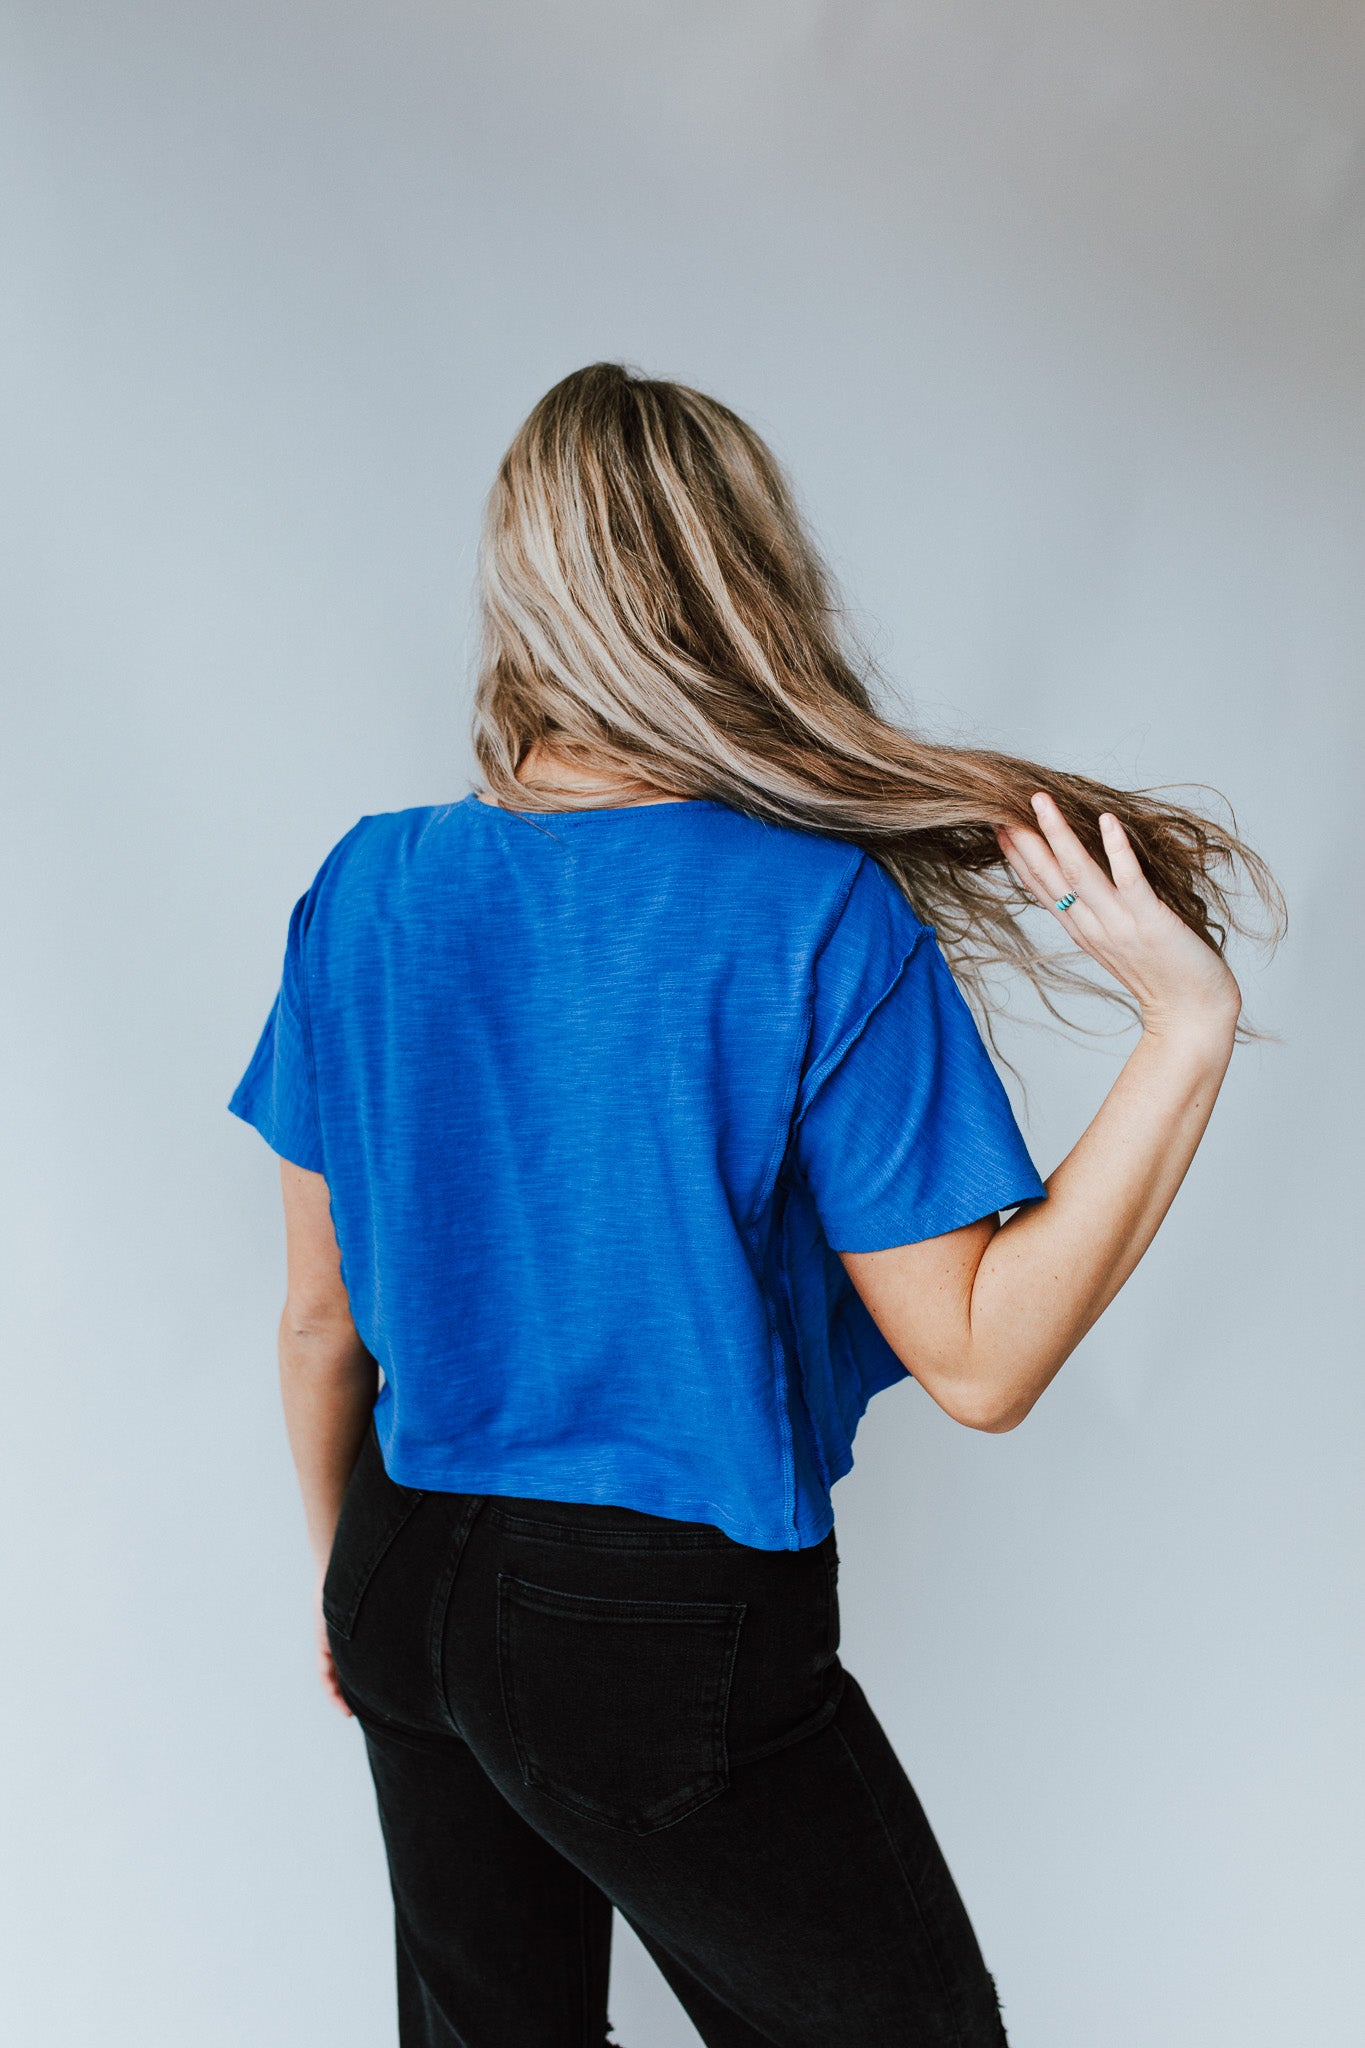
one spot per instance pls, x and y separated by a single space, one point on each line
572 1708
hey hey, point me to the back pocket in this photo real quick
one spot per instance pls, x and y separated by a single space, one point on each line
617 1707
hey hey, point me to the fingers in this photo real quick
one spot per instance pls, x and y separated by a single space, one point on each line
1053 863
1073 865
1036 866
331 1685
1124 864
327 1671
1016 847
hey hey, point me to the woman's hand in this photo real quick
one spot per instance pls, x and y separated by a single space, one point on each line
327 1670
1118 919
984 1316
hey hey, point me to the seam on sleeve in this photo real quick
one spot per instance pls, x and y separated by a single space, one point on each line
819 1075
840 905
314 891
791 1086
937 1220
307 1021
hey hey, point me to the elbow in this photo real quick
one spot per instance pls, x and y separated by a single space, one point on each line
989 1410
312 1328
298 1326
999 1421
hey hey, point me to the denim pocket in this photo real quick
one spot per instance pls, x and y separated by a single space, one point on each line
617 1708
373 1510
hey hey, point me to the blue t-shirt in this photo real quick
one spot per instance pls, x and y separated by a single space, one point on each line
598 1095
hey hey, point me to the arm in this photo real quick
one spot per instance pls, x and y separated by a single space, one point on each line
328 1379
985 1317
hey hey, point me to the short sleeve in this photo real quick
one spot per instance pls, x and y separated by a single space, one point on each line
277 1094
904 1130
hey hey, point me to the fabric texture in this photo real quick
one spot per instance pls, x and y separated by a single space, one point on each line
568 1708
598 1097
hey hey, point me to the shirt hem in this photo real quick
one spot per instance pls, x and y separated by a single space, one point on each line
280 1143
916 1228
439 1476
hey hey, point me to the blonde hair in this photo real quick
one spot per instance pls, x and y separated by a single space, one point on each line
652 602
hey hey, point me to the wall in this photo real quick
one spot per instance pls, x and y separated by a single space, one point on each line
1055 311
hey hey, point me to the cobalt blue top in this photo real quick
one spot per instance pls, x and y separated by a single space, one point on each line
598 1095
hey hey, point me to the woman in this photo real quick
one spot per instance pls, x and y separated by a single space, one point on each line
633 1123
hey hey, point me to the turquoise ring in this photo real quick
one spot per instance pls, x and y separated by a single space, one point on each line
1065 902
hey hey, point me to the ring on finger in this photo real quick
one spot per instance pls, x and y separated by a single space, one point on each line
1065 902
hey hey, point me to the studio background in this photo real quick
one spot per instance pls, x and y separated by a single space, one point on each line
1055 311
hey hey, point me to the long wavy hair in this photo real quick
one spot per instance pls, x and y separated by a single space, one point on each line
652 602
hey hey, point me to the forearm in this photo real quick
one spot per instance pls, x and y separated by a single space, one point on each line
328 1382
1046 1277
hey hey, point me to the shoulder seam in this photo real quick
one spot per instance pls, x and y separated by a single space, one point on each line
818 1076
855 867
789 1087
323 870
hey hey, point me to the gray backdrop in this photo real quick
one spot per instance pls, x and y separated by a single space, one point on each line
1055 310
